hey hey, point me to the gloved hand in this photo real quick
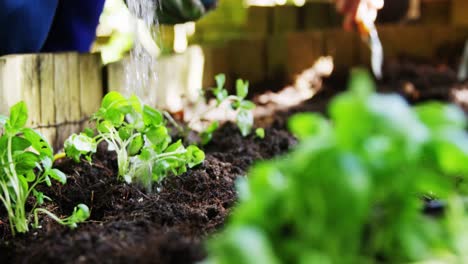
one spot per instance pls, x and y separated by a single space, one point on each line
180 11
356 11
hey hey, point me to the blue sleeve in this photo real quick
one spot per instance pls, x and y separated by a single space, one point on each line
74 26
25 24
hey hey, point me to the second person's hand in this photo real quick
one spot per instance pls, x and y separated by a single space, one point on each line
358 11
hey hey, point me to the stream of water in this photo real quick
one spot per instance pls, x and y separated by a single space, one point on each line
140 76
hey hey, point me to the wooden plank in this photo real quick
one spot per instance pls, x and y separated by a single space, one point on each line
276 58
258 20
116 75
458 12
285 19
216 61
62 96
47 95
11 82
435 12
74 99
91 85
343 47
316 15
247 58
303 50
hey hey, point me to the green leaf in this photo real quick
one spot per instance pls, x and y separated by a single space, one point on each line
39 143
361 83
220 80
77 145
135 146
221 95
177 146
125 133
305 125
194 156
242 88
247 105
113 100
18 116
152 117
19 144
159 137
260 133
207 134
245 122
114 116
39 197
438 115
25 162
57 175
136 103
80 214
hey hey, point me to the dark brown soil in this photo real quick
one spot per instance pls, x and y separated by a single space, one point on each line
128 225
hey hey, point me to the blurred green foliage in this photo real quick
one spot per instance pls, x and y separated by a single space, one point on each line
351 191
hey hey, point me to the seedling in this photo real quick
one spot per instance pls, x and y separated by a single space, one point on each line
242 107
138 134
26 162
351 190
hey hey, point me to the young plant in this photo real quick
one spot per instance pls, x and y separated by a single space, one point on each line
242 107
138 134
25 162
351 191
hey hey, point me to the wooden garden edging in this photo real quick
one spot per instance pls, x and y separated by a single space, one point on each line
60 90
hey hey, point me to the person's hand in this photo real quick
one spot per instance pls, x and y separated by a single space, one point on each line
358 11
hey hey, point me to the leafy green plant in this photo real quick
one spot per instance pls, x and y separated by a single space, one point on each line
139 136
351 191
26 162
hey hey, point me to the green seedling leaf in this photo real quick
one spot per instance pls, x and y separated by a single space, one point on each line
25 162
39 197
18 116
89 132
308 124
19 144
135 145
245 122
247 105
136 103
260 133
220 80
437 115
57 175
77 145
194 156
113 100
159 137
38 142
207 134
152 117
125 133
242 88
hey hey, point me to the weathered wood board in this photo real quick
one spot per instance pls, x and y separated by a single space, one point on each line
60 90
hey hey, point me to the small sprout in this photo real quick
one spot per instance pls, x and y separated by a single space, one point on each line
207 134
238 103
260 133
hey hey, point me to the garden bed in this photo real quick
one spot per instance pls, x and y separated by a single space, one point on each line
128 225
